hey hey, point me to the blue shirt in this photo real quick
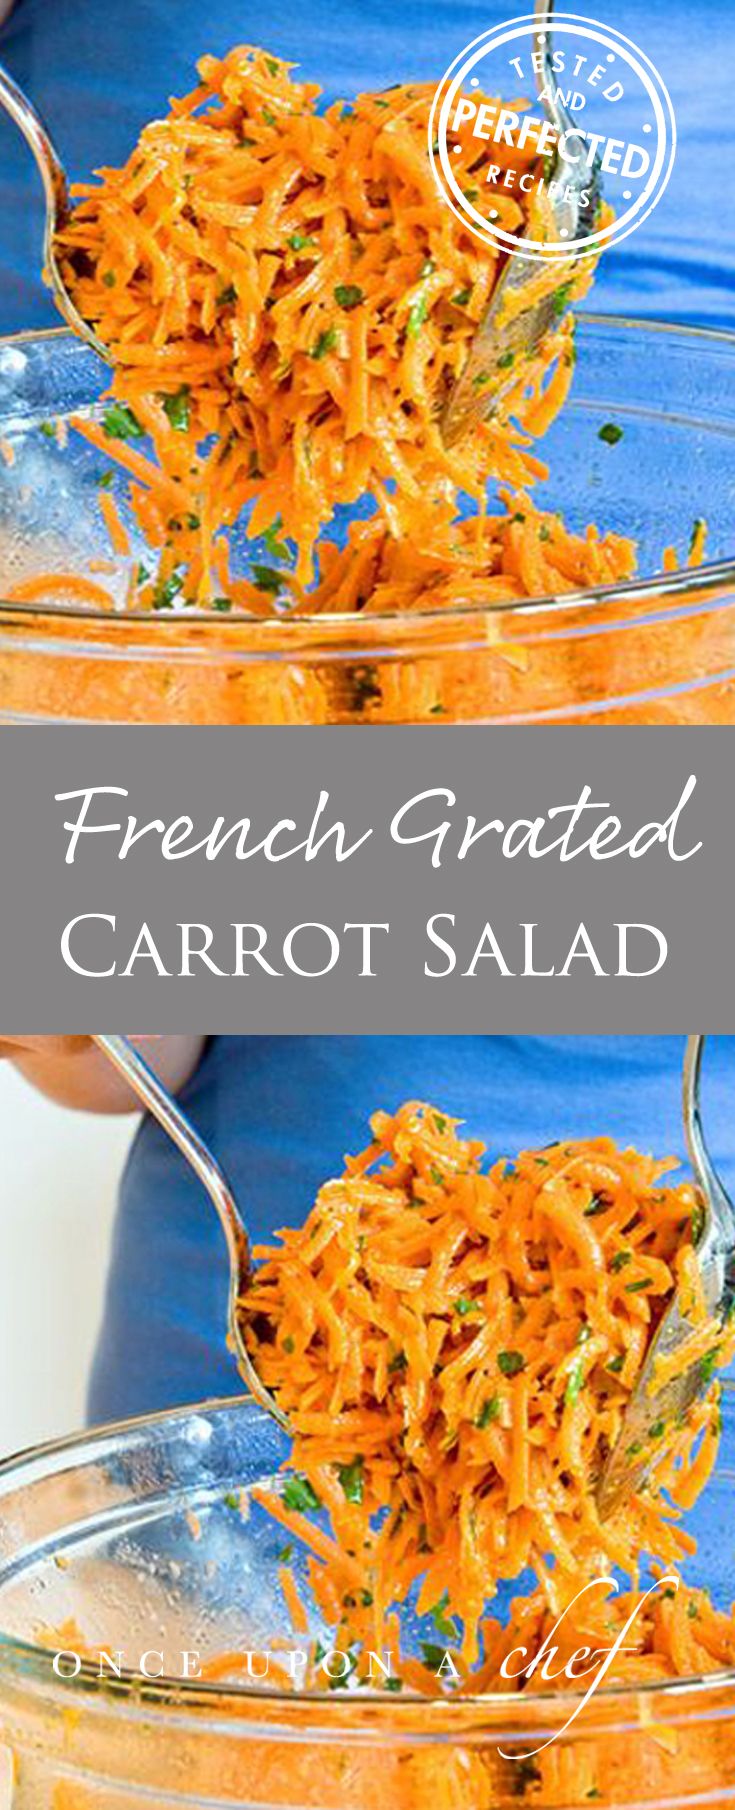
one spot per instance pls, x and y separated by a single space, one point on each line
280 1113
98 72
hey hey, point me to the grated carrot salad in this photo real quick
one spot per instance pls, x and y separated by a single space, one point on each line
454 1351
286 303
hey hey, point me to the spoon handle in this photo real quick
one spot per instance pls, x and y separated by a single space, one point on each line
158 1101
29 122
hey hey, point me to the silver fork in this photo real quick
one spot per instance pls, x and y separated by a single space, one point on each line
499 347
56 191
642 1438
158 1101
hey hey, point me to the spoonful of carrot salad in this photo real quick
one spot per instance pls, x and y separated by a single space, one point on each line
287 306
454 1350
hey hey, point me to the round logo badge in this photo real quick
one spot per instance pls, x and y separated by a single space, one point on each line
583 103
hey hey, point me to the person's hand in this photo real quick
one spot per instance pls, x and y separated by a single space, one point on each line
13 1047
74 1072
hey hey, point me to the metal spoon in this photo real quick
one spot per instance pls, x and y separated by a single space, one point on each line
158 1101
639 1444
499 347
56 190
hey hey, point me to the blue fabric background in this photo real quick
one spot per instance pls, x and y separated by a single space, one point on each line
99 71
281 1112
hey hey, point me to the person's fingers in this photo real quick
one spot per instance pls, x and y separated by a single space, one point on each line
41 1045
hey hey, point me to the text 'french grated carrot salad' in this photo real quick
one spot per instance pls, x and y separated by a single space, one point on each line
454 1350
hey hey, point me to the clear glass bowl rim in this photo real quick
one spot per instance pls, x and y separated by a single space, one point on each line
662 586
177 1695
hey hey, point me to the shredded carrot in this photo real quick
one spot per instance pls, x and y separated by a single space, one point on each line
454 1351
287 303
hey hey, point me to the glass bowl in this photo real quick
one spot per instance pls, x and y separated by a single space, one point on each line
660 649
135 1534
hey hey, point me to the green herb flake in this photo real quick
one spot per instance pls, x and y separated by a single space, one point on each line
299 1495
416 316
325 343
433 1656
610 433
48 429
166 590
489 1412
231 1500
109 279
443 1622
510 1363
697 1222
598 1204
709 1363
227 296
272 66
222 604
634 1288
465 1305
620 1260
440 1123
394 1684
270 118
506 360
119 423
348 296
267 579
463 298
560 299
616 1364
302 242
176 409
352 1480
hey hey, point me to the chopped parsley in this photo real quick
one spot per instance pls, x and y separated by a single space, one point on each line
227 296
488 1413
299 1495
465 1305
166 590
560 299
462 298
352 1480
348 296
302 242
708 1364
266 578
610 433
620 1260
443 1622
176 408
506 360
325 343
119 423
511 1362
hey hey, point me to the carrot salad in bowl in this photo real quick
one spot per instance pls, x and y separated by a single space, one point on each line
454 1349
286 303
